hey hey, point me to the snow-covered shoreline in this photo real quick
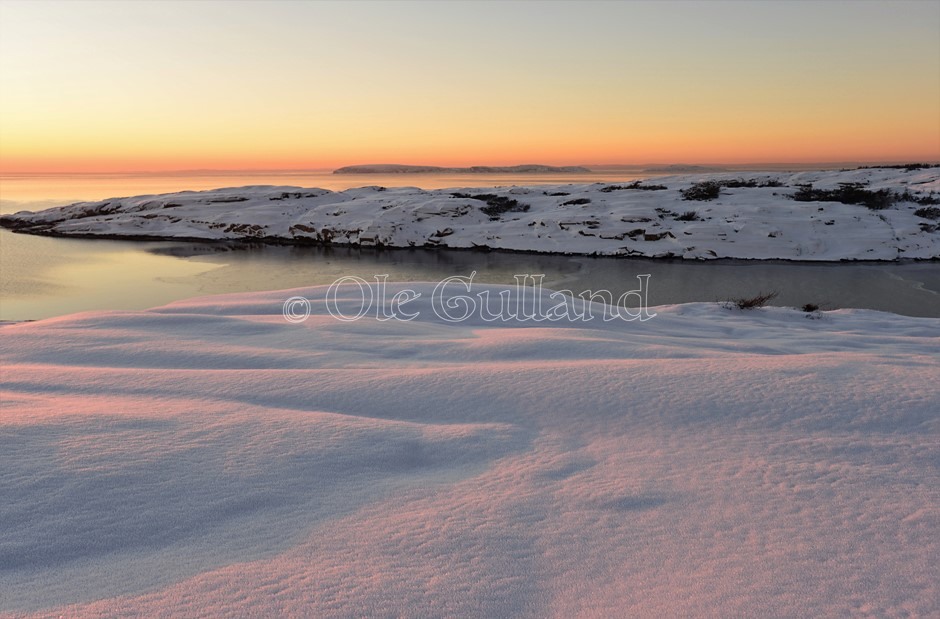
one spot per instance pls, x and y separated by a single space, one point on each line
753 217
209 458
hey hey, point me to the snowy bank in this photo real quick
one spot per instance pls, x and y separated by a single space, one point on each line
209 458
866 214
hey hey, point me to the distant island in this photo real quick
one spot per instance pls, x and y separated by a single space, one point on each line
395 168
681 168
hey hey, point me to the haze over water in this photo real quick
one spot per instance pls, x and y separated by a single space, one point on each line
43 190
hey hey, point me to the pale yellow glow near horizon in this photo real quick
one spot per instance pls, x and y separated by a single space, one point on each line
107 86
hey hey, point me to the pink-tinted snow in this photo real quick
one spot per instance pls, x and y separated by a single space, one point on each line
209 458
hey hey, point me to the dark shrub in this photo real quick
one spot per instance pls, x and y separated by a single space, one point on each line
642 187
907 196
751 302
633 185
928 212
688 216
495 205
706 190
737 183
847 193
576 201
903 166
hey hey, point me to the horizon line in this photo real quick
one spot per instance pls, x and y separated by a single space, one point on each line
196 171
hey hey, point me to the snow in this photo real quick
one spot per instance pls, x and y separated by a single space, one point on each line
209 458
760 222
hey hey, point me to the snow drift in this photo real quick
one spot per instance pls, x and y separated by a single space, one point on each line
209 458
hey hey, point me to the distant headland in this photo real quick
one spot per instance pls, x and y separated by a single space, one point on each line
394 168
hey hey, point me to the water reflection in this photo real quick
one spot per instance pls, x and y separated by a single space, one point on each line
43 277
907 288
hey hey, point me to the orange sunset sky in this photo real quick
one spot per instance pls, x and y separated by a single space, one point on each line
108 86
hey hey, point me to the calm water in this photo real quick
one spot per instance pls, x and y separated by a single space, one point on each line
43 277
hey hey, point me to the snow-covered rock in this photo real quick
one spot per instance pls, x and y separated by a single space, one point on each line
757 222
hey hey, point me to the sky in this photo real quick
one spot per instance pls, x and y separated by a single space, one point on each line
121 86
